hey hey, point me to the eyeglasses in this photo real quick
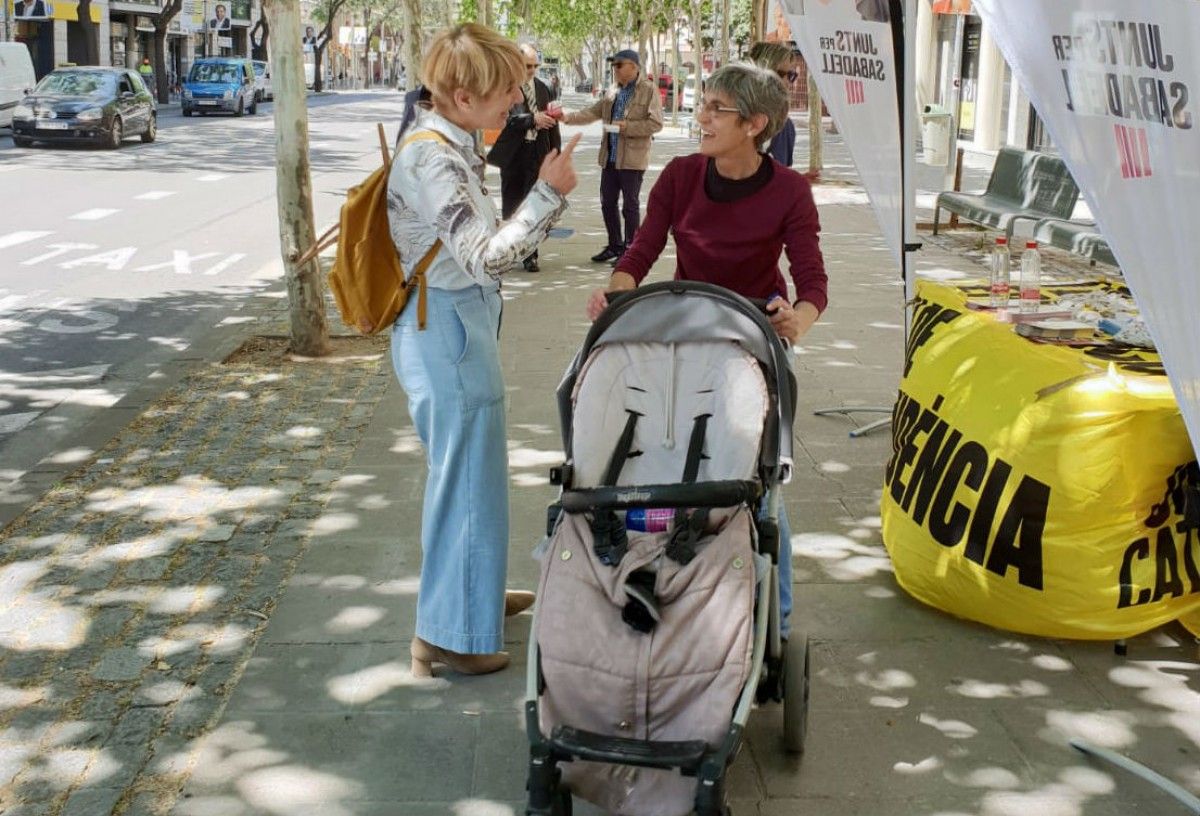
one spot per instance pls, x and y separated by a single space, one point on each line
788 76
714 108
533 65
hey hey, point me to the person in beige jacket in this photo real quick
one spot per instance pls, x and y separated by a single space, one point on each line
631 115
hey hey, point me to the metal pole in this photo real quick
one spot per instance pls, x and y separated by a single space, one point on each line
7 23
960 24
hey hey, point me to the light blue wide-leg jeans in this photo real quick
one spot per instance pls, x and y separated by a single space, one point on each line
785 568
451 374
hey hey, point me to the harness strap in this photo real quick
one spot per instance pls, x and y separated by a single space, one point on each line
609 538
687 530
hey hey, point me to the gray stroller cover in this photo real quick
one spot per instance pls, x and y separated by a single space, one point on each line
682 679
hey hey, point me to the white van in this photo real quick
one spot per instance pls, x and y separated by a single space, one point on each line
16 77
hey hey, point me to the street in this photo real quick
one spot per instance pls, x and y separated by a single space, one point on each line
113 261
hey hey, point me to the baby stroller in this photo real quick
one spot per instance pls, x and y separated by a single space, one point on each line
657 622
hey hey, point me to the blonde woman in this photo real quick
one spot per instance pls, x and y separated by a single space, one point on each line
450 369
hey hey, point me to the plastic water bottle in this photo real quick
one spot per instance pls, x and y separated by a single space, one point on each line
1001 273
1031 278
649 519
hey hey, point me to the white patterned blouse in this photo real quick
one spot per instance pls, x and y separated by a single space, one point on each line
436 190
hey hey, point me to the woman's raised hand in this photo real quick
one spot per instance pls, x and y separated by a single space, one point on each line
558 169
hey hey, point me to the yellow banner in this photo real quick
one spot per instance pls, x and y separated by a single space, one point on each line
41 10
1034 487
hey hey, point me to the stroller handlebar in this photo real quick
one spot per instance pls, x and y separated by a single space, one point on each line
690 494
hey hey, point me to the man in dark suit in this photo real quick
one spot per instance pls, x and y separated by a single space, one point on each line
530 134
31 9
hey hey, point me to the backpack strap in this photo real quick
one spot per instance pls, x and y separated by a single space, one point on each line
417 278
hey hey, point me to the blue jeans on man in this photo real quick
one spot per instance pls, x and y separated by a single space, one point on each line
627 184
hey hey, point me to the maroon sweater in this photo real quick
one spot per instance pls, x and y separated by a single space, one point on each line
734 244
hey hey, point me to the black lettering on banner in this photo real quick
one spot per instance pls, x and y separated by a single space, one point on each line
949 525
1166 567
1106 73
926 317
985 513
945 467
928 471
1139 549
1026 514
1173 539
908 450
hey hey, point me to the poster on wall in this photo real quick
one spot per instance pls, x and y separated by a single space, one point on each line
1116 84
41 10
847 45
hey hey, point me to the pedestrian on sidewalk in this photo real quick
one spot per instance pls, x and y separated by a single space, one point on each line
732 210
781 60
631 115
450 369
528 137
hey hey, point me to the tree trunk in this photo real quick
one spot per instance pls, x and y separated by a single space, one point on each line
162 88
258 46
698 48
816 160
91 34
412 43
483 10
676 86
293 187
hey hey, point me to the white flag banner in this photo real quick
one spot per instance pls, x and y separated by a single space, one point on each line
847 45
1115 82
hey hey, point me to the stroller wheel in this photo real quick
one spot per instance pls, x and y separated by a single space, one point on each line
795 693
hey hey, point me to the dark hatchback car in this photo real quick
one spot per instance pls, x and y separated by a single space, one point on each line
99 105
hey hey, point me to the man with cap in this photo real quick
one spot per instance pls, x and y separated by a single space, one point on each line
631 116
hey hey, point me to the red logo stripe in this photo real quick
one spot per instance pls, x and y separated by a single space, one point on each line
1145 150
1126 170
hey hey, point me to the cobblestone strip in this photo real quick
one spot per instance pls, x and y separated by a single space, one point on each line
132 594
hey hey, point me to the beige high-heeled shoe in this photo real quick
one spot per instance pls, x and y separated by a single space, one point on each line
517 601
425 654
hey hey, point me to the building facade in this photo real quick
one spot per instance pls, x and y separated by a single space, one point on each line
125 32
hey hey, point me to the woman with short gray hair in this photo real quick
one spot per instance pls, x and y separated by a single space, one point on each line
732 210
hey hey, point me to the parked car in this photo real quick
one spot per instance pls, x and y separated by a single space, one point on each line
16 78
584 87
220 84
102 105
262 81
687 102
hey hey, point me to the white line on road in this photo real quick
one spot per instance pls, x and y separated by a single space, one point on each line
154 195
213 177
14 238
93 215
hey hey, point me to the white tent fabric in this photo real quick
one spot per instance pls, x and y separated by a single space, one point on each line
847 45
1116 83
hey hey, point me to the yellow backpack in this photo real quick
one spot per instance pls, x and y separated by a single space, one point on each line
367 279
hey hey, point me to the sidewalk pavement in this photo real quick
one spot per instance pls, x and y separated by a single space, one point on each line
210 617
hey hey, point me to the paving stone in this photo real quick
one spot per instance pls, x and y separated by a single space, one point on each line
120 664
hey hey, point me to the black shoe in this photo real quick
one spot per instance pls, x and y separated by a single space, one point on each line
531 265
606 254
616 260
